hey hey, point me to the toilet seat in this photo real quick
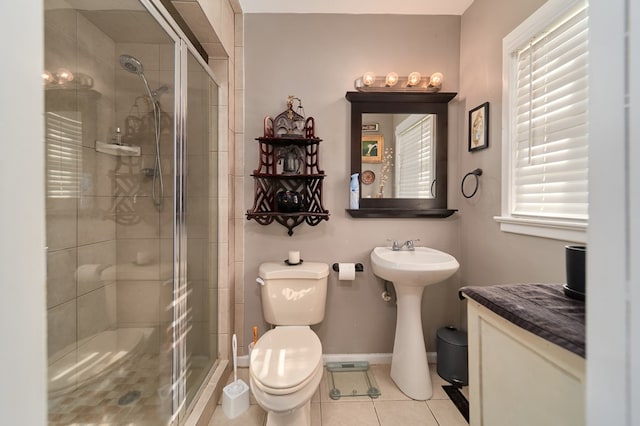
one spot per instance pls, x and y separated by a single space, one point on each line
295 350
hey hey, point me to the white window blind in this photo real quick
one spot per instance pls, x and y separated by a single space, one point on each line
415 156
549 127
64 154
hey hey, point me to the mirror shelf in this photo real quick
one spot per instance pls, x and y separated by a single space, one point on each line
381 116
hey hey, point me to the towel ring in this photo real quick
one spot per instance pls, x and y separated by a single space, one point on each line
476 173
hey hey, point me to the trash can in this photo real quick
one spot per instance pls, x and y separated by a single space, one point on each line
452 347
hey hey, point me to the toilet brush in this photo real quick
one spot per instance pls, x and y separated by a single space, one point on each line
235 396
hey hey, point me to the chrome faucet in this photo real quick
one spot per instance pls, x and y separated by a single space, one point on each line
410 244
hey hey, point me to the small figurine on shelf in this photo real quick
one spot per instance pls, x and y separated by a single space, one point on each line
291 157
290 123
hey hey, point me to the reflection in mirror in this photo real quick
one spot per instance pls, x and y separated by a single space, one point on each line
399 148
398 159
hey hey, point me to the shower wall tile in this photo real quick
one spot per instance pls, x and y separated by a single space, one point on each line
96 56
94 312
95 42
98 257
166 256
196 298
61 329
142 219
197 340
166 57
105 125
138 302
167 77
166 302
61 20
197 256
166 219
60 49
197 217
62 222
61 276
138 259
96 173
96 220
197 175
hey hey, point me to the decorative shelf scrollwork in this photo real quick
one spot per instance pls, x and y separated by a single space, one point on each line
288 180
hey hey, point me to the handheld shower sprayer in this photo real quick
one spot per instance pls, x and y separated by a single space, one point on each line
133 65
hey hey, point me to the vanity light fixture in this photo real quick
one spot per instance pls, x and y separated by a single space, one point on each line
47 77
368 78
391 79
414 82
413 79
63 76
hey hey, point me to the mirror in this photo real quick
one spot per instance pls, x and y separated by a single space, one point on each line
399 148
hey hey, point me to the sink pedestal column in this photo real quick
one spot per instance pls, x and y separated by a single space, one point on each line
409 367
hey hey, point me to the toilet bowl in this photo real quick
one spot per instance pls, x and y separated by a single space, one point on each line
285 366
285 371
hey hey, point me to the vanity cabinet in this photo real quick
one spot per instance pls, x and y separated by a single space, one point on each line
526 362
288 180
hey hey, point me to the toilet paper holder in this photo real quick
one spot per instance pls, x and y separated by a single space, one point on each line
359 267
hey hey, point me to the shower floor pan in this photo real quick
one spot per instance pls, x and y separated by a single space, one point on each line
94 357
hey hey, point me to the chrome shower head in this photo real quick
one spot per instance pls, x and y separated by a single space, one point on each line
131 64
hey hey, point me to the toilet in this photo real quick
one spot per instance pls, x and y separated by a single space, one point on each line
286 362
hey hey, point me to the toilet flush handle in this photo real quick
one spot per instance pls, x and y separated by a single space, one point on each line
260 281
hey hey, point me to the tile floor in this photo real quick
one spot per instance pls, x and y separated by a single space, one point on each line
392 408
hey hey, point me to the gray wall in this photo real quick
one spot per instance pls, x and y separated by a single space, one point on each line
488 255
317 58
334 50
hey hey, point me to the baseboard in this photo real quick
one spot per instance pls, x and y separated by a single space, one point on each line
243 361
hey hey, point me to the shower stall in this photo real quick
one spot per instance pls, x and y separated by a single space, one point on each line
131 214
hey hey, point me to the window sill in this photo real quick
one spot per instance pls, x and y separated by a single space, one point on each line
553 229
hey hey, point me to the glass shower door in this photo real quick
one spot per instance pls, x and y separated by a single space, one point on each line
111 116
200 159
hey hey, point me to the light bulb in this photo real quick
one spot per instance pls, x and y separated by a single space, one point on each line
413 79
435 80
64 75
391 79
368 78
47 77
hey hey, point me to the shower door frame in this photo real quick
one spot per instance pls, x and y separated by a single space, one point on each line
180 309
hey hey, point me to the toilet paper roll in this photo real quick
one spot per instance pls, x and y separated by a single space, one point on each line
347 271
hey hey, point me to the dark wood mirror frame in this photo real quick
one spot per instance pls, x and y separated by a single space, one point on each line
402 103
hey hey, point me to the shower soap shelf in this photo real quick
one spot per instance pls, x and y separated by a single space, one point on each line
118 150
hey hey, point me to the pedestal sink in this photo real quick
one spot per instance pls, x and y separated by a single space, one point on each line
411 271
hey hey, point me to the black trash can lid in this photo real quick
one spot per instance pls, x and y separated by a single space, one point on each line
452 336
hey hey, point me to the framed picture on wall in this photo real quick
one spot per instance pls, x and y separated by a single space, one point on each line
479 127
372 147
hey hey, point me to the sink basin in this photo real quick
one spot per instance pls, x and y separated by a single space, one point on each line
421 267
410 272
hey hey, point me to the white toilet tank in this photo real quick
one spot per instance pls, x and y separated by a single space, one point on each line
294 295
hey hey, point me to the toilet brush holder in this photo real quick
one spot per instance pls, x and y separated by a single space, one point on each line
235 399
235 396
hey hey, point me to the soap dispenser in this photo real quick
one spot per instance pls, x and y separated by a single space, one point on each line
354 193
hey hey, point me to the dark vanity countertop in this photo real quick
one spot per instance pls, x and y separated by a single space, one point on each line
542 309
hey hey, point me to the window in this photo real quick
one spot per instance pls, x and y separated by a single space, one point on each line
545 144
414 158
63 135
